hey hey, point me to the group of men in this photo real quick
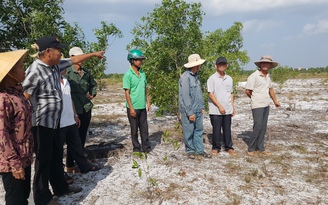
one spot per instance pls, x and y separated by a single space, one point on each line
191 105
62 112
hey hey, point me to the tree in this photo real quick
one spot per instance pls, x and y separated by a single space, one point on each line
22 22
169 35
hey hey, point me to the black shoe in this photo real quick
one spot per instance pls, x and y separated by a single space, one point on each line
53 202
93 168
70 190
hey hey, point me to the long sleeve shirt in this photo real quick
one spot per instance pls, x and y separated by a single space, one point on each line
191 98
80 86
16 139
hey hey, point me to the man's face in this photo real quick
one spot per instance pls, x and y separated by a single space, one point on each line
138 62
221 67
54 55
265 66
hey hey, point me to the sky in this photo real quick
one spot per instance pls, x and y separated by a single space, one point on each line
293 32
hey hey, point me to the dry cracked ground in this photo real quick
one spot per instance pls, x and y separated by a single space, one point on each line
296 173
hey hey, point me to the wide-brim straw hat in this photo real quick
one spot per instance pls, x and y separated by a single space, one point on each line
194 60
8 60
267 59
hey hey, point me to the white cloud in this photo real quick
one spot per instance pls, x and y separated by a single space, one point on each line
220 7
318 28
260 25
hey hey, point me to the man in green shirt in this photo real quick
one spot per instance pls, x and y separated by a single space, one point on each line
83 90
136 94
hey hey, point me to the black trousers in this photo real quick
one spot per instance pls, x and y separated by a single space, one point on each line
139 122
48 165
221 122
17 190
70 135
85 119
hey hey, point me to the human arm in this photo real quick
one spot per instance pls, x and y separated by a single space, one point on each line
233 104
249 93
273 97
185 100
216 103
148 100
128 100
80 58
76 116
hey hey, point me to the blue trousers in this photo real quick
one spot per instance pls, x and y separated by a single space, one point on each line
260 120
193 133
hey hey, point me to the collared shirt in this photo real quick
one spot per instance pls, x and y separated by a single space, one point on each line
80 86
42 82
137 86
191 98
260 86
67 115
16 139
222 88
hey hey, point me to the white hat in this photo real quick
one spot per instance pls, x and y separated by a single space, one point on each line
75 51
266 59
8 60
194 60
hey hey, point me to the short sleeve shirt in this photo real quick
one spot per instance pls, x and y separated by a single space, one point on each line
222 88
260 86
137 86
42 82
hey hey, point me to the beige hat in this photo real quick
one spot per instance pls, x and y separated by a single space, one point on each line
267 59
75 51
194 60
8 60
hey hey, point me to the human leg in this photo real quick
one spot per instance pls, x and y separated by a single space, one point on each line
134 132
216 122
188 133
198 134
226 129
74 147
261 138
56 174
143 125
43 139
257 126
85 119
17 190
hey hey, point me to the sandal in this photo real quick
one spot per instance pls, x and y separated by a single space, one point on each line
191 156
204 154
71 169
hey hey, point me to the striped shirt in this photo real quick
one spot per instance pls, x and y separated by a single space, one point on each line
42 82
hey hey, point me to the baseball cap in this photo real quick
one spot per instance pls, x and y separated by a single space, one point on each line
221 60
49 42
75 51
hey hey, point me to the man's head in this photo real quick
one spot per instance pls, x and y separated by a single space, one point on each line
221 64
194 61
50 49
266 62
135 57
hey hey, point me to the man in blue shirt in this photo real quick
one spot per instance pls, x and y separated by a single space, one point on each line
191 106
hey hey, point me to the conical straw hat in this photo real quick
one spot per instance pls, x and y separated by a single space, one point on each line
8 61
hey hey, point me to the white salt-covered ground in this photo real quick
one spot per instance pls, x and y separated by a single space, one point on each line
296 173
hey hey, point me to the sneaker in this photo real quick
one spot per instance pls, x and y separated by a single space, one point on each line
232 152
266 153
215 152
251 153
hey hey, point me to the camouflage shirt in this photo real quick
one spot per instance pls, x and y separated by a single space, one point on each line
16 139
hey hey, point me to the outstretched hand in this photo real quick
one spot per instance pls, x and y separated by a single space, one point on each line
100 54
